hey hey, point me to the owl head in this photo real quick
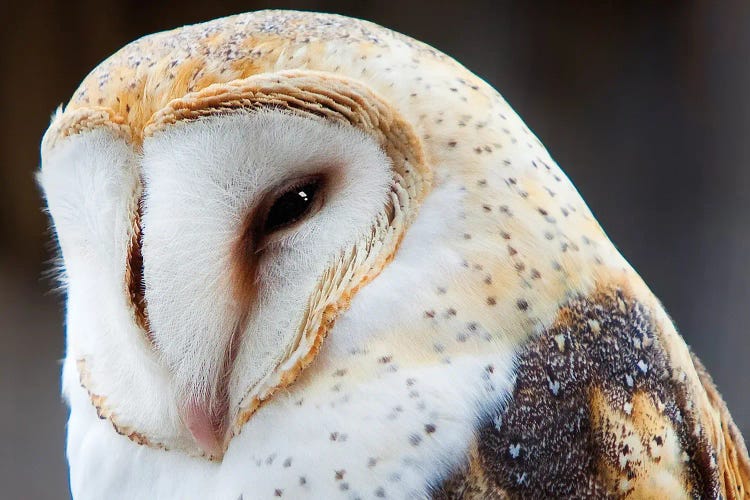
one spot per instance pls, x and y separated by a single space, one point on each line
222 193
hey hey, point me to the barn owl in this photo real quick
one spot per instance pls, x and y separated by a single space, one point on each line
306 256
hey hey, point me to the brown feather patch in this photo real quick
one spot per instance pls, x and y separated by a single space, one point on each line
598 410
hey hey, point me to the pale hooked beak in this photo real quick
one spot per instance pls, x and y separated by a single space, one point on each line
207 428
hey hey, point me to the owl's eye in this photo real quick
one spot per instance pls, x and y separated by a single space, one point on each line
292 205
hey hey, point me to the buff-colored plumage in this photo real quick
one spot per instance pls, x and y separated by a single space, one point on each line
486 292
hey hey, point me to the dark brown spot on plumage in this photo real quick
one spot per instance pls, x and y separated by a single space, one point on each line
522 304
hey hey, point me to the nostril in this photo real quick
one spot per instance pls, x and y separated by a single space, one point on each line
134 272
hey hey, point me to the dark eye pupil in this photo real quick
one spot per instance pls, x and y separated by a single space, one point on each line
290 206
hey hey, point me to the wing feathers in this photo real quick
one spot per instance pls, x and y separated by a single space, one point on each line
734 465
607 404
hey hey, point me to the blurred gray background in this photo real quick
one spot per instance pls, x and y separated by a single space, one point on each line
644 104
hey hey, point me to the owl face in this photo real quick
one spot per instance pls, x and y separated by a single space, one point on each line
242 216
224 245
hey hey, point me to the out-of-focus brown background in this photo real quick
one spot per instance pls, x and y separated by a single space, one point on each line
644 104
